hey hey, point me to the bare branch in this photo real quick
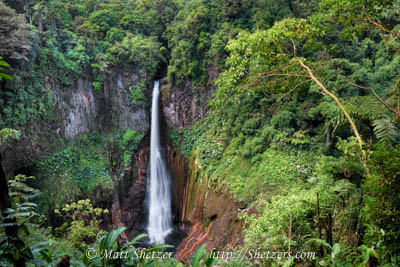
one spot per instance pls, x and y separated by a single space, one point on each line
380 26
346 114
294 88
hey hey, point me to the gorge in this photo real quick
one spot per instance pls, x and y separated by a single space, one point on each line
198 127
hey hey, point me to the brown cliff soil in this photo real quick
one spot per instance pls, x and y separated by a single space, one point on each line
211 214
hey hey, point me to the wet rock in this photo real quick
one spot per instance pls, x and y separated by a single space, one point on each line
77 108
183 104
212 214
81 109
120 112
129 206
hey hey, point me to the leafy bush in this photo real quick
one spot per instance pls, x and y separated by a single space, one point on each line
250 125
77 169
138 49
381 210
137 94
283 120
82 223
130 143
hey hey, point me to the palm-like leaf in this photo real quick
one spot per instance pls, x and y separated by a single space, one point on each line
385 129
360 108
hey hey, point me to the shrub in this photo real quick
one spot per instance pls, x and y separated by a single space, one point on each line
83 226
283 120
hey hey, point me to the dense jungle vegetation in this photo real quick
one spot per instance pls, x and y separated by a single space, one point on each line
304 123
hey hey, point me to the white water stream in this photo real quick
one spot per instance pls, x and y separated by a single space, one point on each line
158 188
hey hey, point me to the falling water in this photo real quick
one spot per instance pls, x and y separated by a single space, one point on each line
158 189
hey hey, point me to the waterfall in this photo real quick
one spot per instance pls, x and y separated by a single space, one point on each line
158 187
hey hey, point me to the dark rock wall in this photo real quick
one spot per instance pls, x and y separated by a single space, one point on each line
119 111
129 207
183 104
212 216
79 110
207 215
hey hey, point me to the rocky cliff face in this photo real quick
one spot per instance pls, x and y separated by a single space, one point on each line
183 104
129 207
206 215
82 109
78 109
119 111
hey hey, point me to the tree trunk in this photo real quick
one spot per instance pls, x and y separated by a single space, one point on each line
328 137
4 198
319 226
5 203
329 230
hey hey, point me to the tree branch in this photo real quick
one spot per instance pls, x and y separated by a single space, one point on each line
294 88
376 95
398 97
346 114
380 26
389 45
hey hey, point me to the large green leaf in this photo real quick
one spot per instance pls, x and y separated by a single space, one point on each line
200 253
135 240
112 237
5 76
3 63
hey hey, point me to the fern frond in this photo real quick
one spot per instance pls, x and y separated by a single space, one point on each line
360 108
340 119
385 129
319 242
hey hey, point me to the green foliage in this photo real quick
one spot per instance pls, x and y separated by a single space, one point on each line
101 21
82 222
77 169
98 83
20 192
288 219
187 139
272 138
202 258
341 255
382 212
385 129
7 134
130 143
15 35
144 51
15 222
357 16
202 28
68 40
137 94
4 76
269 125
283 119
109 242
267 12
